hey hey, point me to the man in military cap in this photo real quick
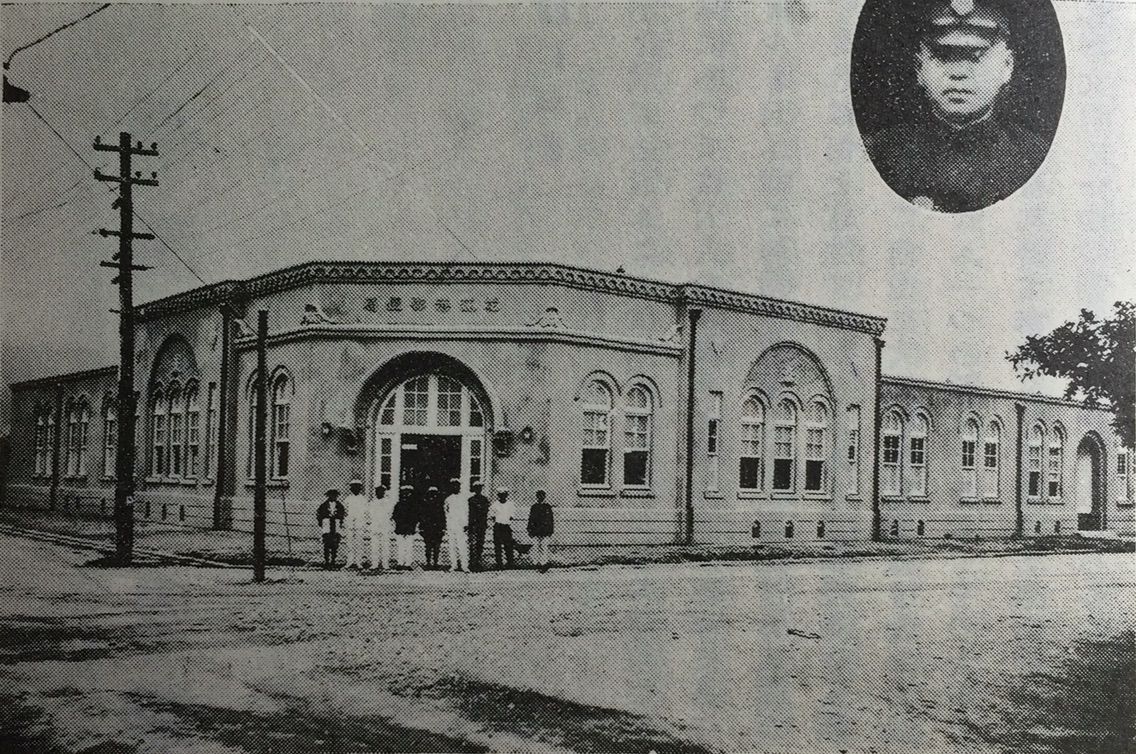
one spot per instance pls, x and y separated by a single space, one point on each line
960 154
329 516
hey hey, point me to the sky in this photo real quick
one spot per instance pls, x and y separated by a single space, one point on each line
703 143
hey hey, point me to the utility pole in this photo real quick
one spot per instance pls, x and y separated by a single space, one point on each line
123 263
260 444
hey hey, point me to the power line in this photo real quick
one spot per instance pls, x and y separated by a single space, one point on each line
50 34
91 167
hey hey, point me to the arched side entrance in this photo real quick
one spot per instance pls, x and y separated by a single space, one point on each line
1090 484
428 421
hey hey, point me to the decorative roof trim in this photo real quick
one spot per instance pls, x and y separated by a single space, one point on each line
987 391
424 332
56 379
781 309
537 273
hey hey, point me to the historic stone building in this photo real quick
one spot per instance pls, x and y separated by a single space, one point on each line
650 412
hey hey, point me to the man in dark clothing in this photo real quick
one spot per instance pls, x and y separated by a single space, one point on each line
540 529
478 522
432 524
330 516
405 517
961 153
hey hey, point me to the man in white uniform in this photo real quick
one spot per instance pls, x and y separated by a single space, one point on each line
355 523
382 510
457 522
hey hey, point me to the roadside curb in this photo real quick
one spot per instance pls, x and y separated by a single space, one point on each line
142 555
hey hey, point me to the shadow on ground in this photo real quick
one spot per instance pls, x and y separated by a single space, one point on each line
566 724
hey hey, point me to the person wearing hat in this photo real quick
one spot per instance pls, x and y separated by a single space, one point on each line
330 516
539 527
478 522
502 512
457 524
432 525
405 517
355 521
960 153
382 513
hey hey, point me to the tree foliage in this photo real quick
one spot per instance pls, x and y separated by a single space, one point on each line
1097 356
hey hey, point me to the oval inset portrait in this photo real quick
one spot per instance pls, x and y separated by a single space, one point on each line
957 100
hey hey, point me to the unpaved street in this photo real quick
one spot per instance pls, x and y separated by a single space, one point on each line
988 654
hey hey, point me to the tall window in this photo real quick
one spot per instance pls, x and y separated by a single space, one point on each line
637 416
475 460
917 457
596 452
449 402
816 448
110 439
281 426
752 452
1122 464
210 428
852 416
892 442
416 402
991 460
969 451
49 455
41 444
713 438
175 419
1056 463
1033 460
785 446
71 444
158 439
84 439
192 431
386 462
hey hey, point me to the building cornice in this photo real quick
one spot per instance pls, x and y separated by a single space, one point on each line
988 392
57 379
425 332
531 273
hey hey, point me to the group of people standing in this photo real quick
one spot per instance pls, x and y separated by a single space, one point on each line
462 519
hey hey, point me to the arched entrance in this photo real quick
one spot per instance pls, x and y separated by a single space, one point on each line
428 425
1089 490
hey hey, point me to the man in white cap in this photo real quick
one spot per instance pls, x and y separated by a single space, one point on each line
457 524
355 522
502 512
382 513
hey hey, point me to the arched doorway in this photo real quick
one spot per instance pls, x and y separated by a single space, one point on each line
428 428
1089 492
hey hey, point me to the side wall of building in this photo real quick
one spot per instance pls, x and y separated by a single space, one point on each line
974 464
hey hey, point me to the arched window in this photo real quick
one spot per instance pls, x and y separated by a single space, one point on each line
49 445
416 402
852 419
176 416
281 428
110 439
816 448
1056 463
71 441
41 445
637 415
785 447
192 431
595 458
892 450
1033 461
83 442
751 474
969 467
991 461
158 434
917 457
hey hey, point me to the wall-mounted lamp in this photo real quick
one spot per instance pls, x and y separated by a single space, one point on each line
526 435
325 429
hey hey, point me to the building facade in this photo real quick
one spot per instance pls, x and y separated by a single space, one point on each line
649 412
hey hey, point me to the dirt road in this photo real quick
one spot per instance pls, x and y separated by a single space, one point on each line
962 655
